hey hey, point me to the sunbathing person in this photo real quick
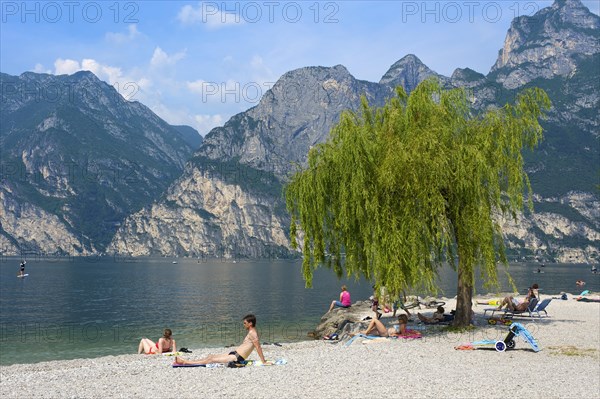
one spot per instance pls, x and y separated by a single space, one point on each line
165 344
239 355
513 304
376 327
437 316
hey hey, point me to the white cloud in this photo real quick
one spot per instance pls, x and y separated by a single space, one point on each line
66 67
104 72
197 86
203 123
208 14
261 73
131 87
120 38
160 58
39 68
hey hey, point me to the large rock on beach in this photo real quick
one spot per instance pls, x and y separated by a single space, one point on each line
343 320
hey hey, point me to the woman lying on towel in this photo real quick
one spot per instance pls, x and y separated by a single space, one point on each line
376 327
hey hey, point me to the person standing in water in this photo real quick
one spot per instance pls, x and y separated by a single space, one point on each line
22 271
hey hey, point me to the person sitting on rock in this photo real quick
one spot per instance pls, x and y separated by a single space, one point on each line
344 301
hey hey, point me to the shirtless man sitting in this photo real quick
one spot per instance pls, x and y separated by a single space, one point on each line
240 354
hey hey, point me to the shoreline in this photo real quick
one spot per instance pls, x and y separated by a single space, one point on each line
567 366
266 332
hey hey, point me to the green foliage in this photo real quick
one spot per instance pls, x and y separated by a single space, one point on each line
406 187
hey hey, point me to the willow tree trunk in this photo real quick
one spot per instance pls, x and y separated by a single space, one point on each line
464 295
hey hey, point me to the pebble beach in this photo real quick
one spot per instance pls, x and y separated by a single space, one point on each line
568 366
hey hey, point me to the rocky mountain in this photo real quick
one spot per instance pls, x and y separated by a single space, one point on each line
190 135
408 72
229 200
556 49
76 159
549 44
296 113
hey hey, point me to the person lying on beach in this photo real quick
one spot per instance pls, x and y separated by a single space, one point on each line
344 301
165 344
376 327
437 316
513 304
239 355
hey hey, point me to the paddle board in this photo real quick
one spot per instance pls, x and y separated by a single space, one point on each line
25 275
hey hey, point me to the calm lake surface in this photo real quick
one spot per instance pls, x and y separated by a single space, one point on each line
78 307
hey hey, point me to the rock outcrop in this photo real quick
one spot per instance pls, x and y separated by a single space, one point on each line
547 44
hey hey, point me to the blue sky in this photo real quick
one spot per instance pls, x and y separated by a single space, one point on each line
200 62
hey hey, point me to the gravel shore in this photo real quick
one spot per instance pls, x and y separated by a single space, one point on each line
567 367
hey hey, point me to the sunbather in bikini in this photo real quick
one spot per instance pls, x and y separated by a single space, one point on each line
376 327
165 344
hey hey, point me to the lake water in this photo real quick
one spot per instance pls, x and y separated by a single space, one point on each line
77 307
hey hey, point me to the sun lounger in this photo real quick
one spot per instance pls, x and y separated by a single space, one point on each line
541 307
507 312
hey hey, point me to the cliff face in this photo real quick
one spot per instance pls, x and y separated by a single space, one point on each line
235 179
76 159
296 113
203 215
547 44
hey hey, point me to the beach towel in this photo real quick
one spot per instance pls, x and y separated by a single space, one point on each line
172 353
258 363
247 363
491 302
410 334
361 336
588 300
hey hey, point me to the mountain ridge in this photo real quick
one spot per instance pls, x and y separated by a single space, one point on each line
76 159
228 200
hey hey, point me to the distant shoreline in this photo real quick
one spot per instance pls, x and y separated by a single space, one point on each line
232 259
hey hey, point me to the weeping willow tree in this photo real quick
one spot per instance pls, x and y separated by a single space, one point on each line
404 188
